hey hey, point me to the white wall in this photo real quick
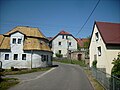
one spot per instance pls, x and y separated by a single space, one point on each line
33 57
64 46
107 55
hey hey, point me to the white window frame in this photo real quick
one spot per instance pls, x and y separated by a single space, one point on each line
15 58
99 51
14 42
6 57
96 36
20 40
23 57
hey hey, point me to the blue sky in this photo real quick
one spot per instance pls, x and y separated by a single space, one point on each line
52 16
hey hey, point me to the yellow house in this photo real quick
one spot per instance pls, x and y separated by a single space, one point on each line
104 45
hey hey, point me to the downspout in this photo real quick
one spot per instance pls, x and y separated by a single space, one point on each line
31 59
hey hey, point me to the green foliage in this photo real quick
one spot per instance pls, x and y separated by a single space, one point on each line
8 82
24 71
78 47
94 63
87 43
68 61
116 67
59 55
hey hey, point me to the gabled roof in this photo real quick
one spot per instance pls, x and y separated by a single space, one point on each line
110 32
63 33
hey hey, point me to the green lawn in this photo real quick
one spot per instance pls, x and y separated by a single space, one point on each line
24 71
6 83
81 63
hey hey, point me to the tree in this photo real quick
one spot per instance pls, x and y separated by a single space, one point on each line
116 67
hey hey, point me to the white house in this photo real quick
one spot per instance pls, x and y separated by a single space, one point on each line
24 47
62 43
105 45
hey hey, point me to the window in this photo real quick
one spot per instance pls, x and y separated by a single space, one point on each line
99 51
14 41
15 57
59 51
69 43
43 58
19 41
59 43
66 37
62 36
6 56
97 36
23 56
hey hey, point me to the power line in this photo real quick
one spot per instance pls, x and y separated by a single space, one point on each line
88 17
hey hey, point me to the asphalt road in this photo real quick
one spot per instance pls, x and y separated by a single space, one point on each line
63 77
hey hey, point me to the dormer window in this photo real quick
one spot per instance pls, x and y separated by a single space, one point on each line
97 36
14 41
19 40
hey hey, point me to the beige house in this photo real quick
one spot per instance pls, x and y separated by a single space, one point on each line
104 45
24 47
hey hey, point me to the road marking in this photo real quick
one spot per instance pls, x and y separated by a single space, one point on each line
38 76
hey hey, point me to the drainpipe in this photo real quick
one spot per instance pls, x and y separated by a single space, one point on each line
31 57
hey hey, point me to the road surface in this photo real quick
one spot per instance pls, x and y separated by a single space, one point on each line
63 77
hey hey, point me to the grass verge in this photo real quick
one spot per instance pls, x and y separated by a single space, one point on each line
24 71
6 83
81 63
93 81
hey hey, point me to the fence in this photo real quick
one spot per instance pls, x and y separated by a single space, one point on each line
109 82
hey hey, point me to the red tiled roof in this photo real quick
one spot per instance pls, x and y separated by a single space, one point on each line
64 32
110 32
82 41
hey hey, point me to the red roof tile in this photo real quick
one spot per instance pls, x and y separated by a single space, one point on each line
82 41
64 32
110 32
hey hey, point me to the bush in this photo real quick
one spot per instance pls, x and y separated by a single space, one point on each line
59 55
116 67
94 63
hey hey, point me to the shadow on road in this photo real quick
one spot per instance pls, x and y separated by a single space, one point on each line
54 65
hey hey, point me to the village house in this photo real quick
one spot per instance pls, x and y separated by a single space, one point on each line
104 45
82 50
24 47
63 43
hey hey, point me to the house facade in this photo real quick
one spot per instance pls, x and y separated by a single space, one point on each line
24 47
63 43
104 45
82 52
